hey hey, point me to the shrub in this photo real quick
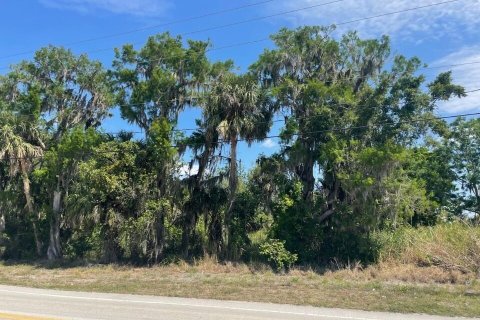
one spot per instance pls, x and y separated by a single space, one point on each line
453 246
276 254
3 241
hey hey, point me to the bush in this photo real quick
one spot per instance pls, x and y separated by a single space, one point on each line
3 242
453 246
279 257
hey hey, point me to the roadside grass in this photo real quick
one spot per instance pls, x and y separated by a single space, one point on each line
431 270
454 246
405 288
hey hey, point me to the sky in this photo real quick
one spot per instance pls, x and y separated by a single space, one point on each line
440 35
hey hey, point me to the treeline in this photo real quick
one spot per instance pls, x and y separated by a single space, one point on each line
361 150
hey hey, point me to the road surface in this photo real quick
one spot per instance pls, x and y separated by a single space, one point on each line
18 303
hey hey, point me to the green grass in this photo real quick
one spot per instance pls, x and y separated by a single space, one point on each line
373 288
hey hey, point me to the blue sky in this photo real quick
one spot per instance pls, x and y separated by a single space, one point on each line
441 35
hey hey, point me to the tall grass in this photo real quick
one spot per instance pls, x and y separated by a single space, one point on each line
453 246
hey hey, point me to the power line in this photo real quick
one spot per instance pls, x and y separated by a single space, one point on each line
262 122
299 135
302 9
193 98
233 45
283 13
396 12
453 65
475 90
305 8
225 25
274 121
314 7
316 116
174 22
346 22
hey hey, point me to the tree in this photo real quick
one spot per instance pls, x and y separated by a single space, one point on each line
154 85
158 81
463 143
17 147
21 142
205 195
114 183
431 165
203 143
71 91
360 151
349 121
239 106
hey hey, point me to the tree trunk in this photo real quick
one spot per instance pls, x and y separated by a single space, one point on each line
30 210
333 193
54 248
191 209
159 237
307 177
2 221
189 226
2 230
233 186
305 169
38 242
477 198
194 206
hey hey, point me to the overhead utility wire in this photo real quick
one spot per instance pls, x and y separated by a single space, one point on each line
298 118
299 10
212 28
270 16
228 25
299 135
174 22
228 46
396 12
232 24
341 23
193 98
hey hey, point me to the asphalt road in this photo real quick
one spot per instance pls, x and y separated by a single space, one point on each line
36 304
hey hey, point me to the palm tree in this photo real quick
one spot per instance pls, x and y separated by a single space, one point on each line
17 148
238 105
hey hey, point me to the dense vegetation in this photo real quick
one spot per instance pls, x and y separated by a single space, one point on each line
361 152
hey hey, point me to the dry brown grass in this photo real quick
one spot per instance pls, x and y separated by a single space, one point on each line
394 288
451 247
407 273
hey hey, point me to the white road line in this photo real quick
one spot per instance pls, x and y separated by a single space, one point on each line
184 305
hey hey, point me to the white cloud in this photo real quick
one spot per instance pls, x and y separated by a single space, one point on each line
269 144
451 19
149 8
467 75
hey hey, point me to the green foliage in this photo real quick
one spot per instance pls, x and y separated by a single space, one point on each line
431 167
156 81
463 144
276 254
134 237
158 143
361 153
295 223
